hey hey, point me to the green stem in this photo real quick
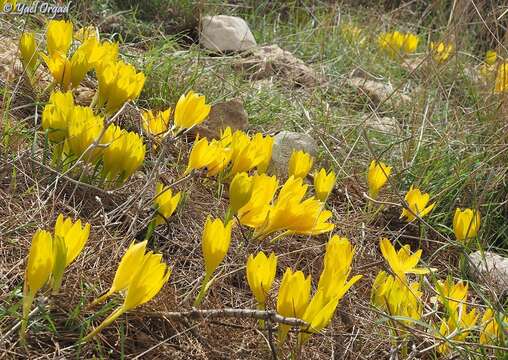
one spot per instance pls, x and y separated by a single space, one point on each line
151 229
28 299
229 215
202 292
115 315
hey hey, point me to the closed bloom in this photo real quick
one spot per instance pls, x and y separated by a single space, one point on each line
318 314
255 211
300 164
402 262
493 327
240 191
249 153
490 57
417 203
27 48
440 51
200 155
191 109
293 297
81 61
458 323
466 223
377 176
57 114
165 202
501 78
398 44
452 295
124 155
118 83
60 68
260 275
59 37
323 184
85 33
84 128
215 243
410 43
156 124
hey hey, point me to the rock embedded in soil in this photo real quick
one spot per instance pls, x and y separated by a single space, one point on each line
271 61
490 268
228 113
225 33
379 92
283 145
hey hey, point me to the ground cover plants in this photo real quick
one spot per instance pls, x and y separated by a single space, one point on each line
133 225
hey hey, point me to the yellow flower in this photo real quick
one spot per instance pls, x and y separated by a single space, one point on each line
56 115
377 176
490 57
459 323
323 184
397 44
156 124
300 164
318 315
215 243
260 275
81 61
402 262
85 33
118 83
250 153
165 203
200 155
124 155
417 203
191 109
452 295
38 270
27 48
84 128
60 68
130 263
492 331
240 191
293 297
440 51
221 156
265 144
410 43
101 54
59 37
501 78
466 223
254 213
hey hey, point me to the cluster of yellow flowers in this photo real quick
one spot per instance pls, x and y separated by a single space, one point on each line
441 51
397 44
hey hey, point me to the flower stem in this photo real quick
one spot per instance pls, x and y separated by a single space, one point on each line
202 292
114 315
28 299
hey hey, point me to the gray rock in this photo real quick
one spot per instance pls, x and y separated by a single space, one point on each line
491 269
283 145
228 113
378 91
225 33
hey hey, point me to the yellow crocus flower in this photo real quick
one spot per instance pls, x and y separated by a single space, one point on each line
440 51
300 164
410 43
191 109
452 295
124 155
38 271
265 145
56 115
466 223
200 155
458 322
402 262
323 184
501 84
131 261
69 240
60 68
84 128
165 203
156 124
492 331
293 297
397 44
240 191
215 243
118 83
490 57
249 153
27 48
417 203
59 37
260 275
254 213
80 61
221 156
377 176
318 315
85 33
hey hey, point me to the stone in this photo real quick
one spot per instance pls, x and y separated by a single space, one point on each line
491 269
271 61
378 91
225 33
228 113
384 124
283 145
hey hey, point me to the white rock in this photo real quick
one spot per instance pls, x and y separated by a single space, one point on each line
491 269
283 145
225 33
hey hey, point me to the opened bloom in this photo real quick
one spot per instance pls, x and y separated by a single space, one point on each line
60 68
27 48
318 314
417 203
165 203
191 109
59 37
323 184
452 295
377 176
458 323
260 275
240 191
300 164
466 223
493 327
397 44
156 124
402 262
293 298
